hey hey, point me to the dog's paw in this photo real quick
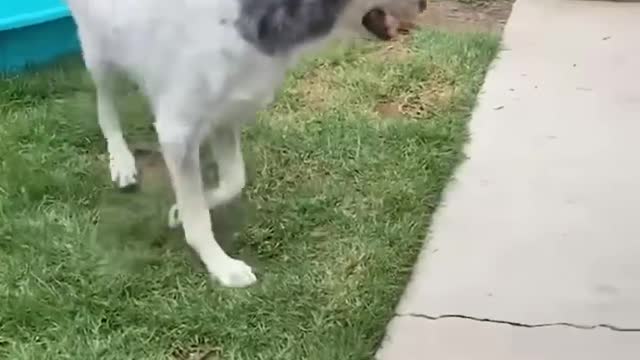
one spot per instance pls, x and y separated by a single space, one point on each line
122 165
233 273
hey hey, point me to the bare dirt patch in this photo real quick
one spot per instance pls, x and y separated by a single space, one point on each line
453 15
390 110
315 89
396 50
197 353
474 16
434 94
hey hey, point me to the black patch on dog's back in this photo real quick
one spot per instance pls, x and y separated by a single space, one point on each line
277 26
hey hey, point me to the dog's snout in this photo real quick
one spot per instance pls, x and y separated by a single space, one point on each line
422 5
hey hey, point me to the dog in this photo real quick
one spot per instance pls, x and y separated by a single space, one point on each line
206 67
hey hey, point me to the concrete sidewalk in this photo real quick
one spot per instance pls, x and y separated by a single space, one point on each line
535 252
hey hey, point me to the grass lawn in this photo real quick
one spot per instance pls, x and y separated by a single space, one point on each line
346 170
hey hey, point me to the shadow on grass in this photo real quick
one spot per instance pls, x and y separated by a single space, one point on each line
133 233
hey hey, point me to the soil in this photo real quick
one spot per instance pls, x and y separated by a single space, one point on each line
448 15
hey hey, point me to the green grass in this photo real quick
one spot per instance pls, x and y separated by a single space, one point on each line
336 211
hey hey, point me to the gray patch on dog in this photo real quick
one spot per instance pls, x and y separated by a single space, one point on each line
278 26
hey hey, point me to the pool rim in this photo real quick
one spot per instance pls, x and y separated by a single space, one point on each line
34 18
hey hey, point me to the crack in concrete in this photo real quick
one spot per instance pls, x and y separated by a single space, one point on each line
517 324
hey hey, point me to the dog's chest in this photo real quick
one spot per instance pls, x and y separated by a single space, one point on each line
250 85
257 82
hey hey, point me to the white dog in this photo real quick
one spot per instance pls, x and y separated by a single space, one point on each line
206 66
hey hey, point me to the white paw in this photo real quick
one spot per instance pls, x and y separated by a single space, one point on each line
233 273
122 165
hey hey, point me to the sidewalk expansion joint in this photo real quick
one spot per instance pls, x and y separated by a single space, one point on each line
517 324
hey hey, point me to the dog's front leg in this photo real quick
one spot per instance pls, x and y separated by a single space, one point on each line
180 152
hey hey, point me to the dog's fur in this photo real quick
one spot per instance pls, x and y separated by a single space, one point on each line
206 67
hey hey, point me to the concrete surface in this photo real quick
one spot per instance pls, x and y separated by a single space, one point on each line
457 339
542 223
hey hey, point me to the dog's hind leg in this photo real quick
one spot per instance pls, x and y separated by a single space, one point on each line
121 161
227 152
224 142
180 142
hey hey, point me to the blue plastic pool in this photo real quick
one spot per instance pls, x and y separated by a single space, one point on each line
34 32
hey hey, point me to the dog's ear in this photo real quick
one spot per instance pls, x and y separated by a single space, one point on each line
381 24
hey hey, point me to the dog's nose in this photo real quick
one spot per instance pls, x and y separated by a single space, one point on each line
422 5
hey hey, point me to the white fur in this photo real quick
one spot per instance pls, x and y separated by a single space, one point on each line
201 78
